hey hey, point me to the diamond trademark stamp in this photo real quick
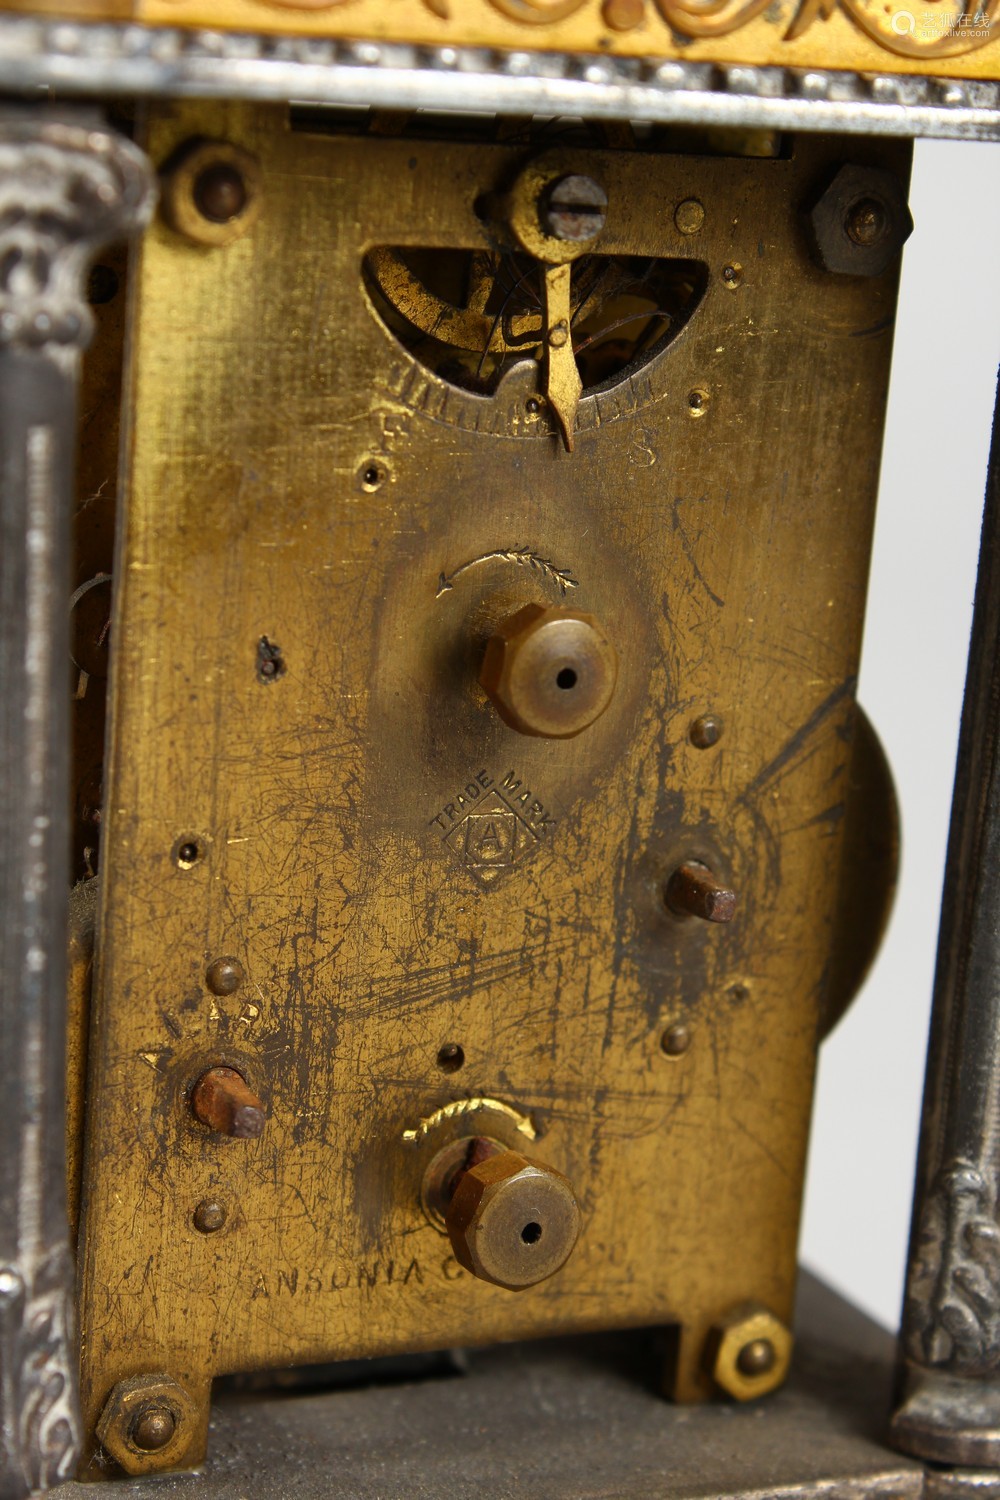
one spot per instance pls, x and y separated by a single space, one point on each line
491 826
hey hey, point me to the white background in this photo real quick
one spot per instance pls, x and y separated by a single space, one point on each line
947 350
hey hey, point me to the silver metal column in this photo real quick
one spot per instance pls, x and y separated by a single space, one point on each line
67 185
950 1400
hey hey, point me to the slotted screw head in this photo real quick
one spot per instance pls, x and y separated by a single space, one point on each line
574 208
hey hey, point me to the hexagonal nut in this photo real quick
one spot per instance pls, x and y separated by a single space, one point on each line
549 671
513 1222
858 226
748 1352
156 1407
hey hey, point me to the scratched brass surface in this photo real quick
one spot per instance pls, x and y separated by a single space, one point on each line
295 477
953 39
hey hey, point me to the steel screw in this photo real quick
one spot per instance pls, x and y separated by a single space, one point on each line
574 209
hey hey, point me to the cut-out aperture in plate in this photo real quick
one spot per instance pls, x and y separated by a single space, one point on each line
470 315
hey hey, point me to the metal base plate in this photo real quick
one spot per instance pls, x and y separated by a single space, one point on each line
574 1418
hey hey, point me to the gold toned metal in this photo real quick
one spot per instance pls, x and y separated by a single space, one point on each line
693 891
79 977
211 192
749 1352
222 1100
689 216
870 869
511 1221
224 976
623 15
550 671
956 39
147 1422
339 813
563 386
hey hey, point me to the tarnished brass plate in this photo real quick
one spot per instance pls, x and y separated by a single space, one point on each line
320 530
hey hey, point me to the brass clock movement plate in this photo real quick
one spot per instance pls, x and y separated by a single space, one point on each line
393 901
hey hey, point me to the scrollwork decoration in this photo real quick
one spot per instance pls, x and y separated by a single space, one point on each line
953 1293
38 1370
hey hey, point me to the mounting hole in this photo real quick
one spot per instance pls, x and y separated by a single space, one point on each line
566 678
450 1058
698 401
732 275
373 475
531 1233
187 853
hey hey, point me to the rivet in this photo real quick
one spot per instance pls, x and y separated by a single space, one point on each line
623 15
209 1216
220 192
224 976
676 1040
689 216
867 222
756 1358
705 732
153 1429
558 335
